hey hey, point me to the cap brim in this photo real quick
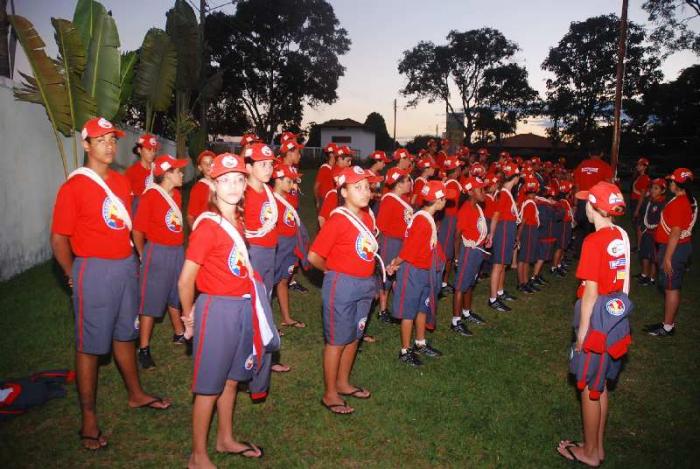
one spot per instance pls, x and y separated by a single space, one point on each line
582 195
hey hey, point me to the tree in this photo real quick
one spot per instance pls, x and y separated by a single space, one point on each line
376 123
418 142
277 56
584 63
672 19
477 65
4 46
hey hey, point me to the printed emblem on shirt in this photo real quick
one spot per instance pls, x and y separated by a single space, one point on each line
236 264
616 248
361 324
589 170
407 215
615 307
249 362
172 221
363 247
110 215
265 212
288 217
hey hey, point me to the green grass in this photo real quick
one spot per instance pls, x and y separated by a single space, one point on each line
498 399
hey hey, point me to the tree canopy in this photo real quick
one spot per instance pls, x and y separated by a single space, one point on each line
672 20
376 123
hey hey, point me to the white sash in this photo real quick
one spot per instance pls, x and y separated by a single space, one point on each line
270 223
513 205
176 210
626 241
121 209
400 200
239 243
431 220
684 233
648 225
289 207
522 210
570 212
362 228
483 232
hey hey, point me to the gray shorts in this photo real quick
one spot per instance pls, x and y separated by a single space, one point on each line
285 258
105 302
346 304
160 270
223 342
263 261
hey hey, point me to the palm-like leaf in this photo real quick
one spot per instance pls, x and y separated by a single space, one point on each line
126 75
72 60
101 77
183 29
156 70
87 15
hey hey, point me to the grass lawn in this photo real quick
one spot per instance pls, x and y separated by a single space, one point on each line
500 398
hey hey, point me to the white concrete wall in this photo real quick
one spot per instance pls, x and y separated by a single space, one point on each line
30 174
362 140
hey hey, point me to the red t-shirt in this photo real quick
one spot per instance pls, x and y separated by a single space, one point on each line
640 186
85 214
324 178
139 177
344 247
286 224
199 199
416 244
452 205
417 187
330 202
678 212
467 221
566 206
393 217
489 205
257 210
605 263
293 198
590 172
505 205
222 267
156 219
530 213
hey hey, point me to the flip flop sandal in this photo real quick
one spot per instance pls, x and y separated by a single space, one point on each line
242 453
278 370
369 339
331 408
580 445
92 438
356 393
295 324
149 404
573 459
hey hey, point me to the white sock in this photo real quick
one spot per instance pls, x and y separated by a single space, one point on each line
455 320
466 313
444 284
500 292
669 327
404 351
491 300
420 343
642 276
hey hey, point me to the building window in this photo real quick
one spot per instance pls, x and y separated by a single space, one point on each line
341 139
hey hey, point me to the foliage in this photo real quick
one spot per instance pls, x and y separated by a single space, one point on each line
672 20
418 142
376 123
584 66
477 65
276 57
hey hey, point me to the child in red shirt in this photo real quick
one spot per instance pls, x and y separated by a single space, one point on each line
201 190
527 237
324 177
140 174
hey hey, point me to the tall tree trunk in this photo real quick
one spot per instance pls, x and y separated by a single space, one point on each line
4 48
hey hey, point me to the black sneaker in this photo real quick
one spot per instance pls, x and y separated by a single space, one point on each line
652 282
298 287
558 272
524 288
643 281
461 329
531 285
145 360
447 290
410 358
661 332
507 296
543 280
652 327
179 339
498 305
537 281
474 319
386 318
427 350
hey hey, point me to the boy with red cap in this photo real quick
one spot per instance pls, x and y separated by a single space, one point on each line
650 222
231 320
140 174
324 177
394 215
473 231
638 196
502 236
601 321
345 250
564 234
201 190
674 239
427 167
448 223
588 173
159 237
528 237
404 159
547 233
330 201
418 270
90 239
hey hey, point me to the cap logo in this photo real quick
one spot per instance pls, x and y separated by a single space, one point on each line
341 180
152 141
140 140
592 199
686 174
358 170
84 134
165 166
104 123
615 198
425 190
439 194
469 186
229 162
266 151
248 152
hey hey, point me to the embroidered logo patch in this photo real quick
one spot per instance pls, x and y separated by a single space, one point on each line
288 218
236 264
104 123
621 262
265 212
110 215
229 162
407 215
172 221
249 362
363 247
615 307
361 324
616 248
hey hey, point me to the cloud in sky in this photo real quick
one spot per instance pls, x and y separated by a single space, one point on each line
380 31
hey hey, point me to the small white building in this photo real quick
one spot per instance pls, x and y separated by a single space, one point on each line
351 133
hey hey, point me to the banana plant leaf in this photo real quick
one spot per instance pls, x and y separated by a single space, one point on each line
126 74
102 74
72 61
154 80
87 15
183 29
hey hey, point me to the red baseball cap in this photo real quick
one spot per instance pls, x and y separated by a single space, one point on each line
483 151
535 159
355 174
287 136
431 141
643 161
163 163
99 126
379 155
552 190
491 179
330 148
445 142
427 162
394 174
344 151
259 152
290 144
472 183
247 139
510 169
464 150
148 141
205 153
227 163
531 184
477 169
450 163
504 154
400 153
285 170
661 182
604 196
434 190
566 186
681 175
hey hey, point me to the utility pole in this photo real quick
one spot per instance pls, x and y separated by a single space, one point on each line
394 123
619 79
203 105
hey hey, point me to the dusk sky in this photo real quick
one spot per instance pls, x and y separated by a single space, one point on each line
380 30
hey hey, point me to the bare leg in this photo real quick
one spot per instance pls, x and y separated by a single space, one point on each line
502 279
646 267
406 329
383 296
603 421
178 327
201 418
347 360
467 299
420 326
495 280
225 407
457 303
283 299
125 359
538 267
591 415
331 364
145 330
522 272
86 373
673 300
